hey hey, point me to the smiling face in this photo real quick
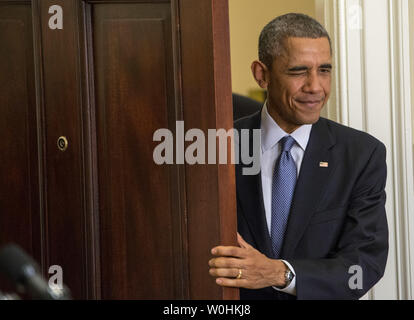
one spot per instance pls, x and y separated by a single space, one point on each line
299 82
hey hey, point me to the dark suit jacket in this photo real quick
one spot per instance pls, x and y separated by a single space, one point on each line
337 218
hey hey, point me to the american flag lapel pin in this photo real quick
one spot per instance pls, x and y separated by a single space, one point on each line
323 164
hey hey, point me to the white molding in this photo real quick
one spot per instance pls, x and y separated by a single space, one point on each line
402 134
394 103
342 45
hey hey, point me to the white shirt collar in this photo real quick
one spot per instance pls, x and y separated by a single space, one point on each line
272 133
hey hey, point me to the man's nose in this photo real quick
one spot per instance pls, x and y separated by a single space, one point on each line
313 83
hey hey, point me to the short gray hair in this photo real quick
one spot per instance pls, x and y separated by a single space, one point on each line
296 25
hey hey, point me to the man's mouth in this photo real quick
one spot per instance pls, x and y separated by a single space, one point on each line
309 103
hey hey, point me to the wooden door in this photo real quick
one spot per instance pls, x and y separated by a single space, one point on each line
119 225
19 178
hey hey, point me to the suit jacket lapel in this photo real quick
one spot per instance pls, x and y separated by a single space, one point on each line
250 197
311 182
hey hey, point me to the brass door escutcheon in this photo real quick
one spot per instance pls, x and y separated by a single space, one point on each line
62 143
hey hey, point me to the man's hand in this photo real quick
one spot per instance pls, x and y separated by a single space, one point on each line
257 270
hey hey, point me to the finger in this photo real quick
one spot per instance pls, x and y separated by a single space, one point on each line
242 242
224 272
223 251
235 283
225 263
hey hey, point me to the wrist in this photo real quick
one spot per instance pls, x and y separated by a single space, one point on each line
280 278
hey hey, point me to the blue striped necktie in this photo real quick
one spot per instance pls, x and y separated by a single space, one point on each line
283 187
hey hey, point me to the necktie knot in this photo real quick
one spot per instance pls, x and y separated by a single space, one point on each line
287 143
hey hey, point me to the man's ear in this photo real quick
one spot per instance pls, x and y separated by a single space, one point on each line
260 73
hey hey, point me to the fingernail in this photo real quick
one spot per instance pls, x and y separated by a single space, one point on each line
219 281
213 251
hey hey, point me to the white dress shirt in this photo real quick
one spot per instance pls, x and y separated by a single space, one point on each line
271 134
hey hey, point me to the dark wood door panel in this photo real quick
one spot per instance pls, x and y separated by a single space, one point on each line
19 188
61 92
206 91
139 216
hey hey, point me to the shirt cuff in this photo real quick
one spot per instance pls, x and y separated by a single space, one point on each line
291 288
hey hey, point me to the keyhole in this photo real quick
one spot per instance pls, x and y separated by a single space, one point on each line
62 143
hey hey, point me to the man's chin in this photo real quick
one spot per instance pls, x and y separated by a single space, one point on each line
308 116
308 120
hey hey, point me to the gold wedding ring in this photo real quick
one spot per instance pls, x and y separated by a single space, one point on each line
239 275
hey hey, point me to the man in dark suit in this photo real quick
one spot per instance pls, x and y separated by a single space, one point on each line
312 223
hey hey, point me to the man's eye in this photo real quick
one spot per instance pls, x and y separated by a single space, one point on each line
325 70
297 73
